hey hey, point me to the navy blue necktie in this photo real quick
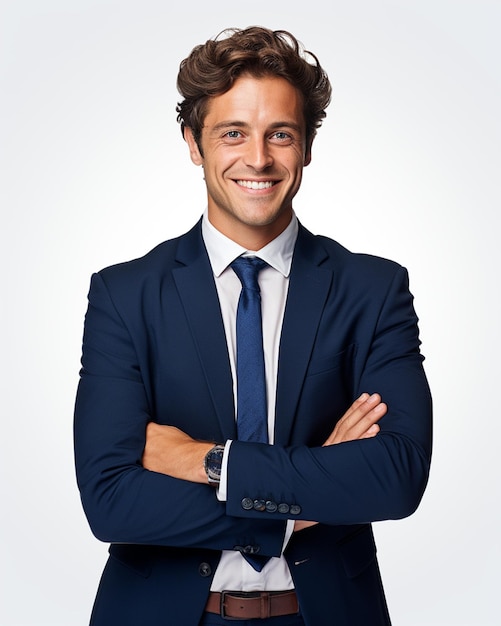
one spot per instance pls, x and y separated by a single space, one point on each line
252 412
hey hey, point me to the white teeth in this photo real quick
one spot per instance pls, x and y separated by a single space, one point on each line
254 184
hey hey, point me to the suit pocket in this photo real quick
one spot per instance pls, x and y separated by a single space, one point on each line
357 551
331 362
134 557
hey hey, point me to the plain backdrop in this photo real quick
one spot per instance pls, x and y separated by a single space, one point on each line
94 171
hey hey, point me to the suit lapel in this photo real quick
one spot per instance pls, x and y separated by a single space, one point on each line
308 289
195 283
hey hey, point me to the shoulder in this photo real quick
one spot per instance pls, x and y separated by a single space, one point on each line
344 263
160 258
157 264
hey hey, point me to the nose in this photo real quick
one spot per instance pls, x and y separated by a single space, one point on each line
258 155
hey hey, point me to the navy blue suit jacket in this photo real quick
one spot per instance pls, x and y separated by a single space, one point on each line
154 349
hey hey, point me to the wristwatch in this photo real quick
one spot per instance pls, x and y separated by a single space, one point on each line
212 464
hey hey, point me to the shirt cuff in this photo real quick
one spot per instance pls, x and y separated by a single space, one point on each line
222 490
289 529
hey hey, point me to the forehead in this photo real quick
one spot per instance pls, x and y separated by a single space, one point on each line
268 100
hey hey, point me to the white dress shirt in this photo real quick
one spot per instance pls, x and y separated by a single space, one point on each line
233 572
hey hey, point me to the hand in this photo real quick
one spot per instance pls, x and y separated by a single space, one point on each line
359 422
170 451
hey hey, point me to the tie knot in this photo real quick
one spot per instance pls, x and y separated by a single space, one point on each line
247 269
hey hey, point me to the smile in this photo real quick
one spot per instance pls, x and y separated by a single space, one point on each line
254 184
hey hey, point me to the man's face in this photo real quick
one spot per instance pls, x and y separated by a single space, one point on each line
254 150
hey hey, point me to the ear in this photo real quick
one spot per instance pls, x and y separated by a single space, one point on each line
307 153
195 155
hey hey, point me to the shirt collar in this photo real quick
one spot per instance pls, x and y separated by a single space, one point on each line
222 250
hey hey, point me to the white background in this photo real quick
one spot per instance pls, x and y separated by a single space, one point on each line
94 171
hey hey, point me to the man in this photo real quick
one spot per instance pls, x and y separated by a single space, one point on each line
178 468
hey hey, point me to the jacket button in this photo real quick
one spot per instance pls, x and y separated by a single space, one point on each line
204 569
295 509
283 507
259 505
247 504
251 550
271 506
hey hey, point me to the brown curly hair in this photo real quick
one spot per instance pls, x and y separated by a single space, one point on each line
212 68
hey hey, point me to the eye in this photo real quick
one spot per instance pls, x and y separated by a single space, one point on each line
233 134
281 137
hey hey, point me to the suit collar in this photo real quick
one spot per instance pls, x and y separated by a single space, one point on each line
191 246
222 250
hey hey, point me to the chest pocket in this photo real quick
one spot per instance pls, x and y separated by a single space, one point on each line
328 391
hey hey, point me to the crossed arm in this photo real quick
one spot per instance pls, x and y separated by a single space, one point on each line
170 451
125 502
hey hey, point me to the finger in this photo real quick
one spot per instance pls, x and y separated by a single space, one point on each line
368 420
358 410
349 414
359 421
371 432
356 405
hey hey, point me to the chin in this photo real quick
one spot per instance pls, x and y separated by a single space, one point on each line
265 218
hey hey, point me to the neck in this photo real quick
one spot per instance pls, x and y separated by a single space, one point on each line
251 236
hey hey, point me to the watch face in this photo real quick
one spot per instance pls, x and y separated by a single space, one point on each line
213 462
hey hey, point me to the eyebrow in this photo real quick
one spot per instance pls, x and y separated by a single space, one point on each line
228 124
239 124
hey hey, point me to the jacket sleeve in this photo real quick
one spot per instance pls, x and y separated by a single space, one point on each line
358 481
125 503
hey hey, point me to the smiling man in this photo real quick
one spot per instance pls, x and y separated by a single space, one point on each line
253 148
252 396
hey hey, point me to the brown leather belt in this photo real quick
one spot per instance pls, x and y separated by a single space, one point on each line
252 605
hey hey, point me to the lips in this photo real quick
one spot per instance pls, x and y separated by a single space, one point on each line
254 184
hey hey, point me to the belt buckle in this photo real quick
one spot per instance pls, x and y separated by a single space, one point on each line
237 594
